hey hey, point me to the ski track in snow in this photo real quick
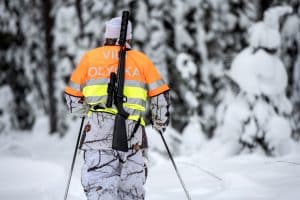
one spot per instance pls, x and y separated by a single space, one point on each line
36 168
235 178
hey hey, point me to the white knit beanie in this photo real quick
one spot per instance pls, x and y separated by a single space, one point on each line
113 26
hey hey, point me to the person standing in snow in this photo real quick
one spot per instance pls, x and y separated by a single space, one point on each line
107 173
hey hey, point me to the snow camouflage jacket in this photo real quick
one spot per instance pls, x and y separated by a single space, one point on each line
86 94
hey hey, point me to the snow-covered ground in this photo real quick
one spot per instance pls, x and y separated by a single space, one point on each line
35 167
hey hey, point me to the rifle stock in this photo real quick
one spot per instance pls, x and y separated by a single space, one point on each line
120 135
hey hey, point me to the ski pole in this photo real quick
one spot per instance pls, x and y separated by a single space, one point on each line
74 158
175 167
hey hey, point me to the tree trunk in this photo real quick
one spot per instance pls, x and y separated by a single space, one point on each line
262 7
79 14
48 25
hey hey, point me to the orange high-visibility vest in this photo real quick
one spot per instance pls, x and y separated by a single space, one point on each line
92 75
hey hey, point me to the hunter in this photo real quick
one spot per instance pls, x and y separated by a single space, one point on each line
107 173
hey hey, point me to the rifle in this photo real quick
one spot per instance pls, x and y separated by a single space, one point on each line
120 134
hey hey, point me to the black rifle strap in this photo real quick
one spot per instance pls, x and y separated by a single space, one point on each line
136 126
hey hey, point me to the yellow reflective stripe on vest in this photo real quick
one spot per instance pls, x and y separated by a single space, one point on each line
136 118
95 90
136 99
138 104
135 92
134 106
129 92
115 111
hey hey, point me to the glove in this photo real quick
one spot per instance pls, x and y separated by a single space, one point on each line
77 106
160 111
160 127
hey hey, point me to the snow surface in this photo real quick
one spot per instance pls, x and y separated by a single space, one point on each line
34 166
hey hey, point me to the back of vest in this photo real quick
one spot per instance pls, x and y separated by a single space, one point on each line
91 78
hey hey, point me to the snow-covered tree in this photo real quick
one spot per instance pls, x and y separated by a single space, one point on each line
290 54
192 43
257 115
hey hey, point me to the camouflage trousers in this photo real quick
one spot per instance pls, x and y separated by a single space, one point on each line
114 175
